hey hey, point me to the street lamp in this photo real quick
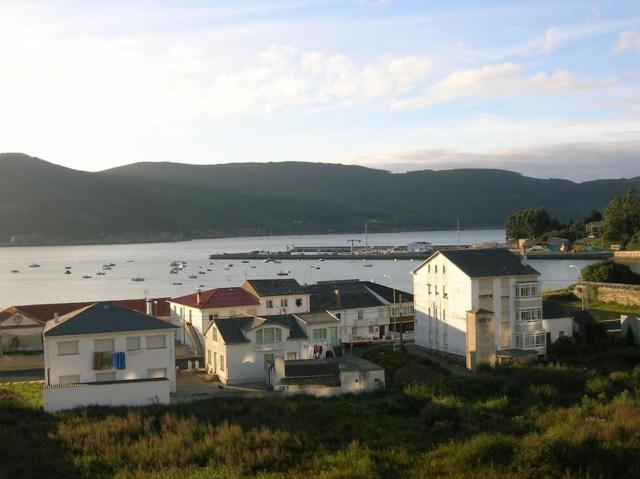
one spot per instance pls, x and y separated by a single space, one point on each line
584 291
393 307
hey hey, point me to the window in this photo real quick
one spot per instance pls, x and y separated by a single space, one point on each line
428 288
189 315
360 314
269 303
67 348
533 314
354 332
268 358
444 315
444 291
268 335
103 345
221 362
291 356
214 334
211 317
156 342
298 302
445 334
444 269
486 296
71 379
284 302
371 330
102 377
319 334
209 357
337 315
428 268
527 290
157 372
133 344
435 268
216 316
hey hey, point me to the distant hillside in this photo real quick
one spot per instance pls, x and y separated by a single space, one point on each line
42 203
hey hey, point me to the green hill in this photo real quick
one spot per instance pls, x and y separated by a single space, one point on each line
43 203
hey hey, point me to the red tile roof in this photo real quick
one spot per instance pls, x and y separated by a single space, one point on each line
218 298
45 312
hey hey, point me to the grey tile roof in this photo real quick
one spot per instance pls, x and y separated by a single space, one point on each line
353 295
276 287
233 330
317 318
104 317
478 263
388 293
552 310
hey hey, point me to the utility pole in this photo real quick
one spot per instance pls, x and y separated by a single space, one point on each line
584 289
458 230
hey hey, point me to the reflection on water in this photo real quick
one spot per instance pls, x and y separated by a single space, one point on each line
151 261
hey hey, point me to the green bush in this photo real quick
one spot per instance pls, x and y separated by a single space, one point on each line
609 272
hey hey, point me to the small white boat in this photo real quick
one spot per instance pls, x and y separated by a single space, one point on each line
245 260
86 276
137 279
230 265
100 273
321 259
193 276
368 265
283 273
34 265
67 267
129 261
67 272
173 271
177 284
15 271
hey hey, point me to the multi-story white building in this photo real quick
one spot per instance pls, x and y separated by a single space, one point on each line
367 311
239 349
279 296
453 285
109 355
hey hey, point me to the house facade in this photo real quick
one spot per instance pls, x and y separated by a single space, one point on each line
21 327
110 355
239 349
366 310
452 283
279 296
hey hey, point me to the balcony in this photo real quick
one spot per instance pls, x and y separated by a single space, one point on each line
529 326
532 341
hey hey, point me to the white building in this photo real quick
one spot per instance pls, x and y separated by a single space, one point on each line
196 312
451 286
106 354
239 349
21 326
326 377
419 247
365 309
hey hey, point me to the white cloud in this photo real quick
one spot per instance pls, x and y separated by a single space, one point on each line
628 41
497 80
552 37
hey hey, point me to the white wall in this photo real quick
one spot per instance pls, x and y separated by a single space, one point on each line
137 362
554 326
291 307
132 393
366 328
351 382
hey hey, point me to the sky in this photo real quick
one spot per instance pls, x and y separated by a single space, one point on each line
546 88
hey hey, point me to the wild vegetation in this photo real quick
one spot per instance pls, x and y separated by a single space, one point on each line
622 220
181 201
537 223
576 417
610 272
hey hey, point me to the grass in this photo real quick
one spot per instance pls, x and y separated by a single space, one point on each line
559 420
599 310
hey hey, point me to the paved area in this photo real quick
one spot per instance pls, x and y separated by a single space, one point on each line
454 368
193 387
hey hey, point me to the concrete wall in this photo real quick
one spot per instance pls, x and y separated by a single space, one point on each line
137 362
127 393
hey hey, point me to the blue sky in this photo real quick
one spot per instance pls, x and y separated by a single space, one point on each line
547 88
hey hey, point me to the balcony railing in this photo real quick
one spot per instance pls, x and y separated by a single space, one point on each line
529 326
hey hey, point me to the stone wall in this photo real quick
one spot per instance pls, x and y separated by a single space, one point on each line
626 255
620 294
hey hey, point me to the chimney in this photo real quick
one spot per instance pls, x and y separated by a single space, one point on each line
149 307
337 293
56 317
523 258
198 297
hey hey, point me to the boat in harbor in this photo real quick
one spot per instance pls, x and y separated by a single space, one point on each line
193 276
15 271
34 265
284 273
67 267
137 279
86 276
67 272
177 284
101 273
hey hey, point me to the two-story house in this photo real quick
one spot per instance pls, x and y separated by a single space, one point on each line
491 288
239 349
107 354
278 296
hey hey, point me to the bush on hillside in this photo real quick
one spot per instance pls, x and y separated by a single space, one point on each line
610 272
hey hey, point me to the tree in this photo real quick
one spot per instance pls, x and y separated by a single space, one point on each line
614 220
610 272
595 215
529 223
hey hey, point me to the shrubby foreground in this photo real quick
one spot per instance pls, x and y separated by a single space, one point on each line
533 422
